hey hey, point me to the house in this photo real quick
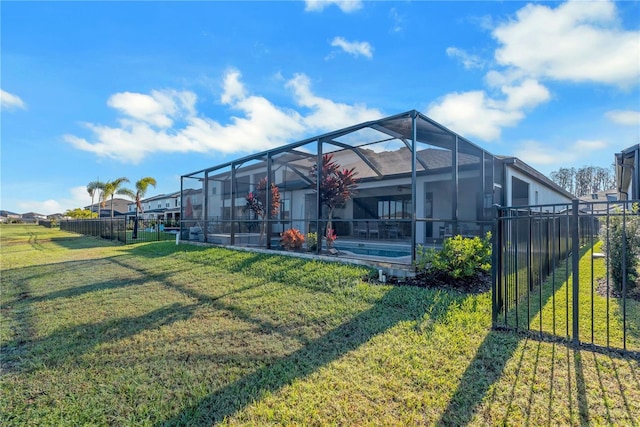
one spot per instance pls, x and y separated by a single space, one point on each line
8 216
120 207
32 217
165 207
417 183
610 195
627 165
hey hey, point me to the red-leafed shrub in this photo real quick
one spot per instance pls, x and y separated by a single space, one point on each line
292 239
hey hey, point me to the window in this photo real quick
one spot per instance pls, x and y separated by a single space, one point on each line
519 192
386 207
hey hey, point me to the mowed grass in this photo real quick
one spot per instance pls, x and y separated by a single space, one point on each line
157 334
607 322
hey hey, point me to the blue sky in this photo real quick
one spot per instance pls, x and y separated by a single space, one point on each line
102 90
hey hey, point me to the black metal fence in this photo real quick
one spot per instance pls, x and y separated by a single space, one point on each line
122 229
569 271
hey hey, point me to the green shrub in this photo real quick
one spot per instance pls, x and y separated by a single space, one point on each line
621 240
312 241
459 257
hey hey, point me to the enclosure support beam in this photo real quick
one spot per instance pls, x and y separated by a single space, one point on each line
454 186
318 199
268 202
205 205
414 198
232 239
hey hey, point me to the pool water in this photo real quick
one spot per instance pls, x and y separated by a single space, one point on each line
375 251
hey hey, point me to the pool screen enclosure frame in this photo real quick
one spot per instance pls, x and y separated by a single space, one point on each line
417 184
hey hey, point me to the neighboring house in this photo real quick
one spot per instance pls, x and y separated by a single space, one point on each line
418 182
610 195
120 207
7 216
32 217
164 207
627 165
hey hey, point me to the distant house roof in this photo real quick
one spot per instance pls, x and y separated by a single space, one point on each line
120 206
33 215
528 170
159 197
601 196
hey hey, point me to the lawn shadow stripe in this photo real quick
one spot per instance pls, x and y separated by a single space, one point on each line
225 402
67 345
492 356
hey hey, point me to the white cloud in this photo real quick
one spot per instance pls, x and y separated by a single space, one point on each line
473 114
354 48
233 88
396 21
346 6
325 114
527 95
476 114
155 109
577 41
167 121
624 117
77 197
542 154
9 101
468 60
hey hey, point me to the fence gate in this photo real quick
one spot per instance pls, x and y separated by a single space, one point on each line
569 272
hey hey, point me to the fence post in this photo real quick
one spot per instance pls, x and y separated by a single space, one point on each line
575 249
496 264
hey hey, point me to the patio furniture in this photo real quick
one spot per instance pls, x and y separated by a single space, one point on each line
445 232
393 231
374 228
360 228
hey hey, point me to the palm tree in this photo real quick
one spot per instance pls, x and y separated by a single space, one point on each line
141 189
93 188
114 187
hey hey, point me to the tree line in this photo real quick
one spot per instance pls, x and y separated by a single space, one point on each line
585 180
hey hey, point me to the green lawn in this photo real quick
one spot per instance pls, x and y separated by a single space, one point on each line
99 333
150 236
601 320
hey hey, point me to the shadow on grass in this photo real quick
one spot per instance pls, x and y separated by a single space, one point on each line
267 267
19 278
68 344
80 242
493 354
386 313
485 369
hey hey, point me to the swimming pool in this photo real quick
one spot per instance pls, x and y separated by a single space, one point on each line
374 250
